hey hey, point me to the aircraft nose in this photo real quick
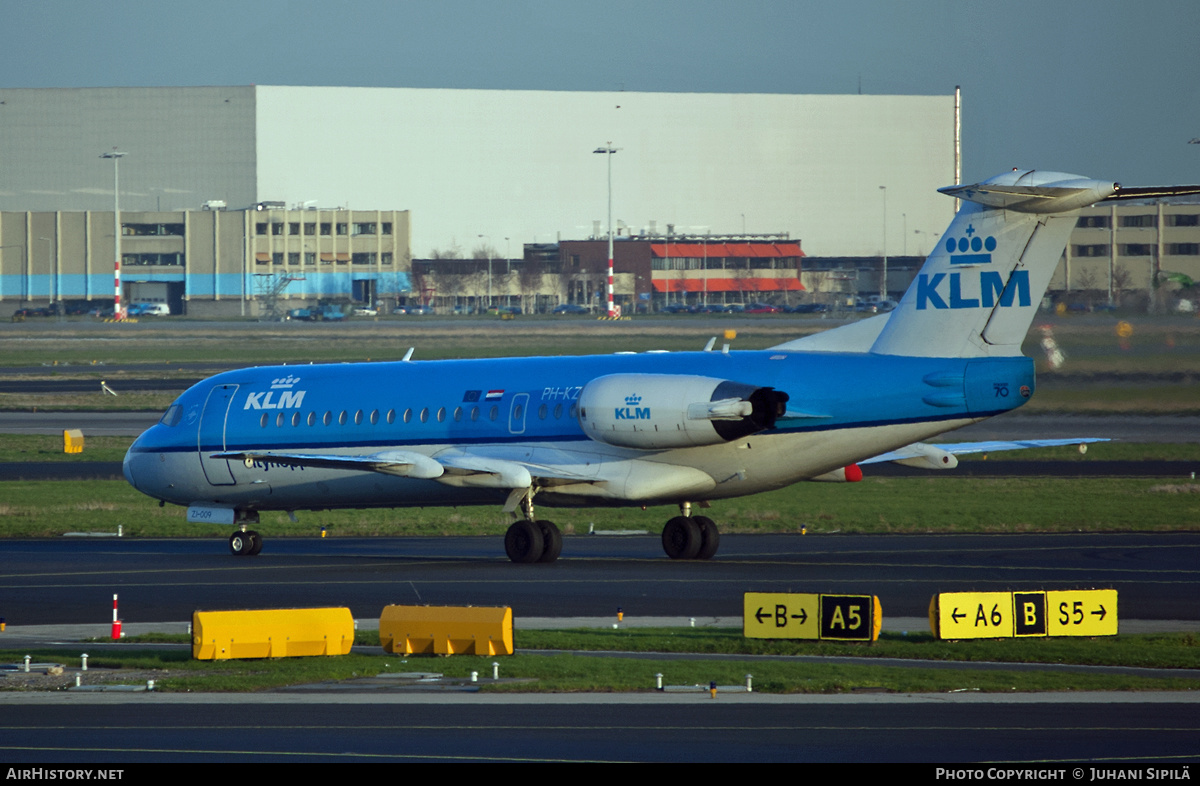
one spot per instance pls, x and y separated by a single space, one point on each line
127 468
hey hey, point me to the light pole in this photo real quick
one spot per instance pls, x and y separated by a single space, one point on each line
608 151
489 253
883 277
118 309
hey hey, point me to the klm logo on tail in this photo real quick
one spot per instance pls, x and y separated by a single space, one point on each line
960 287
990 289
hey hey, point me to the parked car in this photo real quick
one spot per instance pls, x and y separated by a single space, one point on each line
761 308
365 311
148 310
570 308
808 308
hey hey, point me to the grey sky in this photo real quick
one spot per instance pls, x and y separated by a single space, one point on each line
1103 89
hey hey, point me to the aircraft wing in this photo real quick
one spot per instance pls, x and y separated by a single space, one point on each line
944 455
460 469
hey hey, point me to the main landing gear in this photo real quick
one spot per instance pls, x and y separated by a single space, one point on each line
690 537
530 540
684 537
533 541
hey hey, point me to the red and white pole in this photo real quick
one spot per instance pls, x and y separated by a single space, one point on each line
116 624
608 151
118 309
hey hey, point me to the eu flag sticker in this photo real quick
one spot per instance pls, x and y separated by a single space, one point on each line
471 395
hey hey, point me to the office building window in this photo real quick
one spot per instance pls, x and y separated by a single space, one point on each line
1147 220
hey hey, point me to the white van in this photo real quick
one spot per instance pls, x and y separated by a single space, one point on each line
151 309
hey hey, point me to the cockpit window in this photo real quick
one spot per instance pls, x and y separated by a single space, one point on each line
172 416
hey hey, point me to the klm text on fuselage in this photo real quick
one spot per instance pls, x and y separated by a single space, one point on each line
958 290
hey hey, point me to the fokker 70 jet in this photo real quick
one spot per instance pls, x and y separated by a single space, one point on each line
680 428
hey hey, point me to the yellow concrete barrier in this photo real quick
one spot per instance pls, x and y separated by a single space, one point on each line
271 633
72 441
446 630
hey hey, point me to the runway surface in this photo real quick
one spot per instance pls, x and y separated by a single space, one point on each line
1137 732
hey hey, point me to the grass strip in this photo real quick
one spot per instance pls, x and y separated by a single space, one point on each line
942 503
574 672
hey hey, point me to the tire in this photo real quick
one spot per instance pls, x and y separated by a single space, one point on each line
551 541
710 537
240 543
523 542
256 543
681 538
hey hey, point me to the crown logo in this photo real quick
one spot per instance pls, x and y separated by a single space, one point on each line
633 401
972 242
284 382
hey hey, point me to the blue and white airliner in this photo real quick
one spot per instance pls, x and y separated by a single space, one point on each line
680 428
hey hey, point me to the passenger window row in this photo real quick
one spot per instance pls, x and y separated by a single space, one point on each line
423 416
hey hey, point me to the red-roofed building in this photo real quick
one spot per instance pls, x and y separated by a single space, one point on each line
655 272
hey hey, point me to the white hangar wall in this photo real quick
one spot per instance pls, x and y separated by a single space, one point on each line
519 164
184 146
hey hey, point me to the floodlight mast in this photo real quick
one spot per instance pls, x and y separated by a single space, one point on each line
118 308
608 151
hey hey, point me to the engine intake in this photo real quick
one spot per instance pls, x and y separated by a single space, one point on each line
659 411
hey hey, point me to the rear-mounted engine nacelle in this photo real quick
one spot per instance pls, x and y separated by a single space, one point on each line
658 411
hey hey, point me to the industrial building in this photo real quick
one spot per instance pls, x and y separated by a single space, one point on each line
203 263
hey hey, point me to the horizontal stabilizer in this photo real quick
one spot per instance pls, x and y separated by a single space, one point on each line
1151 192
1034 194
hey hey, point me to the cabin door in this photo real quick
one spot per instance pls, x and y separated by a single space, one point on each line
210 437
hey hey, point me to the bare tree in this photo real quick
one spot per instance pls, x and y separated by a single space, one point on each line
485 251
1121 280
453 251
529 280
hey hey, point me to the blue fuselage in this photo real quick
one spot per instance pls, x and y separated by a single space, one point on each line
841 408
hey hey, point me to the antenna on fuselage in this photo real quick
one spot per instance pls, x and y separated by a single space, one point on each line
408 354
711 343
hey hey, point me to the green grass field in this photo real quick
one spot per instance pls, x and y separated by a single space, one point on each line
563 669
876 505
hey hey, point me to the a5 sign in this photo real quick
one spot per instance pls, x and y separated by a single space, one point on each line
796 615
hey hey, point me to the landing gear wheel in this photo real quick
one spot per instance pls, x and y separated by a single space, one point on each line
524 542
240 543
256 542
710 537
551 541
681 538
